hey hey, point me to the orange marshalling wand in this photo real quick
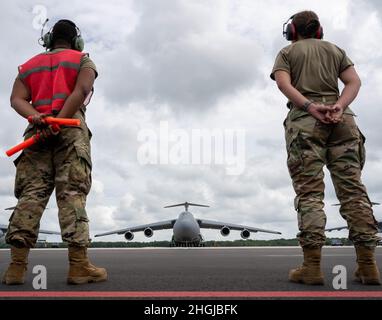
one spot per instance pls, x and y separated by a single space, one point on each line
61 121
56 122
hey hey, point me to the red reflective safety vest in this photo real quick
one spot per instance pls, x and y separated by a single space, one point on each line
51 78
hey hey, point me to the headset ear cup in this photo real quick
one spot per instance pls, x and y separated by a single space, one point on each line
78 43
291 32
320 33
47 40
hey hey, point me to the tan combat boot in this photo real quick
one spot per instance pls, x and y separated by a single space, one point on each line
81 270
310 271
15 273
367 271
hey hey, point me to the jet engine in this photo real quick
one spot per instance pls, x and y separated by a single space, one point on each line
225 231
245 234
129 236
148 232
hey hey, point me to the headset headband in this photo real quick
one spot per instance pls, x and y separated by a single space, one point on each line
69 22
285 25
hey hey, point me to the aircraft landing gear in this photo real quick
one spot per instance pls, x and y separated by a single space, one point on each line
188 244
173 243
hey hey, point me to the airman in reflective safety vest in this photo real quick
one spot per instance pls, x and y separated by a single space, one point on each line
58 83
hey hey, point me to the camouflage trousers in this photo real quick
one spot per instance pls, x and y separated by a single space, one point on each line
312 144
63 163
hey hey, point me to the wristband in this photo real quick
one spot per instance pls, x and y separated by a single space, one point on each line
306 105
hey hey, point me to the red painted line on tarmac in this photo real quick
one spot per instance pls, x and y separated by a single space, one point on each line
191 294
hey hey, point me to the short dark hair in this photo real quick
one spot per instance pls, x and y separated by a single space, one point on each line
64 30
306 23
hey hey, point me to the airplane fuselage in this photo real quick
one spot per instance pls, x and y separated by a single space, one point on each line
186 229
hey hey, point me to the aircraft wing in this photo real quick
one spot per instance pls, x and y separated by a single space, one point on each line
341 228
209 224
4 228
372 203
168 224
336 229
49 232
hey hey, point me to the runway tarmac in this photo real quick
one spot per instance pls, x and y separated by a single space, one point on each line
190 269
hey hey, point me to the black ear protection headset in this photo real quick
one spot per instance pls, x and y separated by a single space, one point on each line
46 40
290 30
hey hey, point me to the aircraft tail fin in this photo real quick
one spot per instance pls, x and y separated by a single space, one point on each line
187 204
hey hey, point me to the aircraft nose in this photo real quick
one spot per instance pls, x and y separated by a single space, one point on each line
185 231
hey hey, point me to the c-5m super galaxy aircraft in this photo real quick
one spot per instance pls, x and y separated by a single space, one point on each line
345 227
186 228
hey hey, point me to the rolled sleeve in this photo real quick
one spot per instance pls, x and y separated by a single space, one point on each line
281 63
86 62
346 62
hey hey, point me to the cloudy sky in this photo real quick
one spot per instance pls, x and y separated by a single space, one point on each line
191 65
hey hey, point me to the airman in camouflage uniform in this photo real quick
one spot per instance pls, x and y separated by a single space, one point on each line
56 83
320 130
